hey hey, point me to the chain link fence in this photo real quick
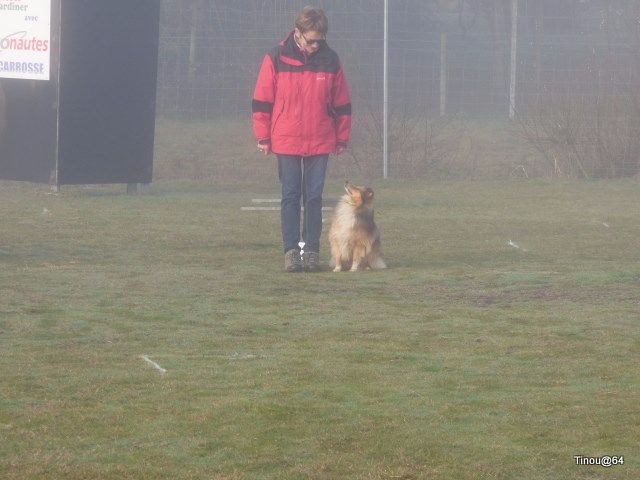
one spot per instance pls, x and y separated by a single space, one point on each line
568 106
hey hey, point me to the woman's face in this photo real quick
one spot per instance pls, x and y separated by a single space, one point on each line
310 41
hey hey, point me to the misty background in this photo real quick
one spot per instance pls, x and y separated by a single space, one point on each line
576 110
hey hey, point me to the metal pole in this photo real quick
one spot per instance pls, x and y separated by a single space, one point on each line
55 175
514 57
443 74
385 95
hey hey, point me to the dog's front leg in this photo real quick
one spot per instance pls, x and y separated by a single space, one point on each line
358 256
337 263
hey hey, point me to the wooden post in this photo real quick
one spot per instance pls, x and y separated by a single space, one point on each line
514 58
385 94
443 74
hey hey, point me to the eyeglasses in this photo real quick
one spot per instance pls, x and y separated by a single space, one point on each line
318 42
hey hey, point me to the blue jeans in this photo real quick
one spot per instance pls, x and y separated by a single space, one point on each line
301 177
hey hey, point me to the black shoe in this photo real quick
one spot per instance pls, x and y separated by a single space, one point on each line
311 261
292 261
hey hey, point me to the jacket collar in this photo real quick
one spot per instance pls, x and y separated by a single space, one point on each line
289 48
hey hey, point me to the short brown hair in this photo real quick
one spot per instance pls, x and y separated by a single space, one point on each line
312 19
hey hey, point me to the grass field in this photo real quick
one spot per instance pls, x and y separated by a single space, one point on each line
469 358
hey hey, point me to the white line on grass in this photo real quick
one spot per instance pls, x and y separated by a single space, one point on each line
153 364
261 209
241 356
512 244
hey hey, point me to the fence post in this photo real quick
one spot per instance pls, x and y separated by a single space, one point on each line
385 94
443 74
514 58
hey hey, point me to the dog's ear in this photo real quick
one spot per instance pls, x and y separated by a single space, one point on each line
368 194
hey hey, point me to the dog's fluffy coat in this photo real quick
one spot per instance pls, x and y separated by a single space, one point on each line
354 237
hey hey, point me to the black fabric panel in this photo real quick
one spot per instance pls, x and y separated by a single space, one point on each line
262 107
309 67
28 130
324 60
109 53
343 110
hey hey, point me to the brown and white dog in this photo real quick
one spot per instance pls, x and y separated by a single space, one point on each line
354 237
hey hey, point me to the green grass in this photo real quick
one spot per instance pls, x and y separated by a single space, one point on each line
466 359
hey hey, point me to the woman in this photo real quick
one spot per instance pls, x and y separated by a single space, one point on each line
302 113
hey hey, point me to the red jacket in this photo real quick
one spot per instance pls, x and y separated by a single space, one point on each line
301 103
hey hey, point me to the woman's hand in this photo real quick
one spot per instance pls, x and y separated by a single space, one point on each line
340 149
265 148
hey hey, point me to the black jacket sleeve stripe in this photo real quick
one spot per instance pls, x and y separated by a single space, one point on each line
263 107
343 110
